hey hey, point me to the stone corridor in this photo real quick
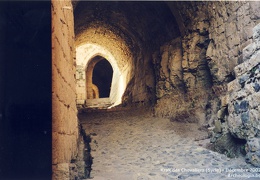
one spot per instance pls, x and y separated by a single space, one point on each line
133 144
196 64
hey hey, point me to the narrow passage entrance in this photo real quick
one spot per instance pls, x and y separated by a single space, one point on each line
102 77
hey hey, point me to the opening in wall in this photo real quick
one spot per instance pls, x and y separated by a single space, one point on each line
99 73
102 78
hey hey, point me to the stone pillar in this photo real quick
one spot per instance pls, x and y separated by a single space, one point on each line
64 112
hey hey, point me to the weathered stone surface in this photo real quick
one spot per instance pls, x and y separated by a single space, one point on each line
254 11
224 101
242 79
238 31
223 53
64 112
210 53
256 32
222 112
254 100
175 59
189 80
61 171
253 151
248 65
249 51
228 145
230 28
243 105
217 128
233 86
256 87
234 123
220 90
243 120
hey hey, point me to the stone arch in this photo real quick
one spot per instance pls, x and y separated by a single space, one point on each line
102 77
87 56
93 90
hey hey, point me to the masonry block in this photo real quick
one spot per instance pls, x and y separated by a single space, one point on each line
247 65
248 51
224 100
233 86
256 33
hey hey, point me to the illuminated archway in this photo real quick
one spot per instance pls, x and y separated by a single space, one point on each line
101 39
87 56
99 74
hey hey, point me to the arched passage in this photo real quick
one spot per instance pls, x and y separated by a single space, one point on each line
102 77
217 25
130 42
99 73
87 56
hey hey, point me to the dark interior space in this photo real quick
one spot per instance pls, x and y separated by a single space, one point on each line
102 77
25 82
131 19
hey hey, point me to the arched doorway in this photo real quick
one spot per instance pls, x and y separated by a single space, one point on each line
102 78
99 75
87 57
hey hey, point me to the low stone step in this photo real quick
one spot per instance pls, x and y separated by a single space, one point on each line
98 103
97 178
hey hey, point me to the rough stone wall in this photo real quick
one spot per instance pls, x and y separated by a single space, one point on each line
234 63
213 37
81 85
64 119
243 93
169 78
189 71
243 100
230 31
141 87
